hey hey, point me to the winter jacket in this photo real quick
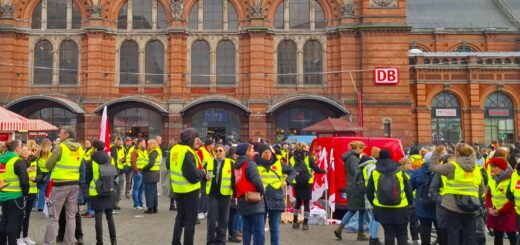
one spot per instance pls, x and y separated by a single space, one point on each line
356 200
506 220
100 202
253 176
274 199
448 170
390 215
419 179
151 176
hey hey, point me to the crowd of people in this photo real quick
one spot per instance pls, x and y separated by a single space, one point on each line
460 190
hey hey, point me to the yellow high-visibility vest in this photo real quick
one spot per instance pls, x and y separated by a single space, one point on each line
120 157
498 193
67 168
179 183
515 189
41 163
272 176
10 177
158 159
128 161
365 171
464 183
33 189
142 158
404 202
307 164
225 182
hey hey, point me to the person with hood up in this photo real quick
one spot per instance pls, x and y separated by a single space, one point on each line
64 165
271 171
101 204
247 179
356 200
186 178
462 190
393 217
14 186
501 211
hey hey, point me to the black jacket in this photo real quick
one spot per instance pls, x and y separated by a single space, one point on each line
215 188
100 202
252 175
190 171
151 176
356 200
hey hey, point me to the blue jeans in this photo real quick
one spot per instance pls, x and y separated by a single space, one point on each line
350 214
150 192
137 190
254 226
373 225
238 223
89 207
275 218
42 189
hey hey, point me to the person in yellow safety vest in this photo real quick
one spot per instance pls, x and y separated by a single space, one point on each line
305 168
390 209
127 180
205 154
271 172
101 203
87 162
64 165
513 192
117 154
138 160
367 165
219 190
14 185
186 178
31 166
501 211
463 188
151 176
43 153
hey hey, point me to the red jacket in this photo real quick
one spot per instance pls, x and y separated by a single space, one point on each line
506 220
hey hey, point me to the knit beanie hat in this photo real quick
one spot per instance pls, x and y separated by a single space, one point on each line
385 154
499 162
242 149
261 148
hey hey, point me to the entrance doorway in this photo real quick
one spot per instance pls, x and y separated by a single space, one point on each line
218 134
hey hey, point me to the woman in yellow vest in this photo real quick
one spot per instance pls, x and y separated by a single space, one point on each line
87 163
101 203
151 175
28 157
138 159
43 153
501 212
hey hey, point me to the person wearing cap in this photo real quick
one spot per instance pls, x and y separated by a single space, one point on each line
205 154
272 172
126 180
186 178
501 211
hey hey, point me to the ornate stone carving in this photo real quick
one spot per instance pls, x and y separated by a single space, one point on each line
347 9
7 11
96 11
176 7
256 10
383 3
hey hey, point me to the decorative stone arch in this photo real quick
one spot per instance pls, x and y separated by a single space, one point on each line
216 98
308 97
143 100
113 12
423 47
506 90
25 11
325 5
467 44
458 93
65 102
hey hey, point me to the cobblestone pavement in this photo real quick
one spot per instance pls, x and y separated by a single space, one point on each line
134 227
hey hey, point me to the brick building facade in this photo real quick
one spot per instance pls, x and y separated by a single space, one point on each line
242 69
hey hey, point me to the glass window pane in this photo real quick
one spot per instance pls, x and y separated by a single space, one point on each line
279 17
162 21
43 63
226 63
137 122
122 19
56 116
312 63
154 62
194 17
76 16
299 14
142 14
216 123
319 17
445 100
213 14
129 63
37 17
286 62
232 17
56 14
200 66
68 63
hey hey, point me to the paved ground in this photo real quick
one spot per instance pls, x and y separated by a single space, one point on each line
134 227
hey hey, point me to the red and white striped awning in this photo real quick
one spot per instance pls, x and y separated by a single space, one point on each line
10 121
38 125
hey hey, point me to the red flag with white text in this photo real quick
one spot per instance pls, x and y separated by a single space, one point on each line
104 130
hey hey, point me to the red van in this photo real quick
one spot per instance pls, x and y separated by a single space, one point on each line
339 145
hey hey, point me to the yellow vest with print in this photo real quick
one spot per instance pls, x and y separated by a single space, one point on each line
404 202
158 159
120 158
67 168
142 158
41 163
10 177
272 176
179 183
128 162
225 182
206 156
464 183
95 176
515 189
33 189
498 192
307 164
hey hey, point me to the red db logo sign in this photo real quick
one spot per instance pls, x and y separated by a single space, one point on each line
386 76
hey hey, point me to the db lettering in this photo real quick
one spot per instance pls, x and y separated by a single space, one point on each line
386 75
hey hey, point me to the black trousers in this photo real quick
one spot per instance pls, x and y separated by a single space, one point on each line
99 225
11 222
456 222
186 218
499 237
29 202
150 193
393 232
414 225
231 220
218 216
63 222
425 230
306 208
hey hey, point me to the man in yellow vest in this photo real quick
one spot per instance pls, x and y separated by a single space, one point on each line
138 159
64 165
205 154
14 185
117 152
151 175
127 169
186 178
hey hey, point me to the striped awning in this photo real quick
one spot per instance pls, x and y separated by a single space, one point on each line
10 121
38 125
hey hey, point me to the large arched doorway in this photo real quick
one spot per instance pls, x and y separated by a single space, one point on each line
499 118
446 125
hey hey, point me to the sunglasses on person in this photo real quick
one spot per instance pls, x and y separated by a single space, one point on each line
220 151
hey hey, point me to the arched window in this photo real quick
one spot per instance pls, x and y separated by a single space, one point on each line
214 14
69 63
232 17
279 16
464 48
137 122
122 18
194 17
43 63
56 116
129 63
286 56
217 123
299 14
154 62
76 16
37 17
312 62
200 63
143 16
56 10
319 16
57 15
499 118
225 63
446 126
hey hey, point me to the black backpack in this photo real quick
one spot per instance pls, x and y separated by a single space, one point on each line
389 189
302 173
359 181
105 182
424 193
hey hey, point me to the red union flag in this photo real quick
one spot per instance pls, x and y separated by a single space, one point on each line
104 131
386 75
320 180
